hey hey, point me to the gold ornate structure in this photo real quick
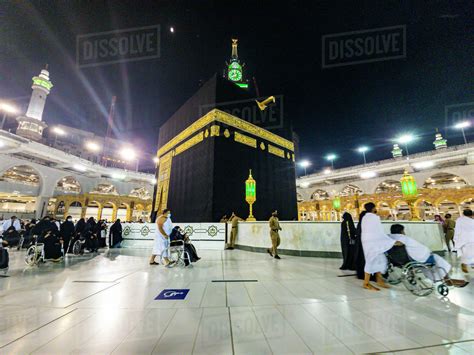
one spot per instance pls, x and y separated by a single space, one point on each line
250 194
391 205
410 193
100 201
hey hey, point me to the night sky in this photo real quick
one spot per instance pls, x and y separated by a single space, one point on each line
333 110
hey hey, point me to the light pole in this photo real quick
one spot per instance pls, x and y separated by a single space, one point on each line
6 108
405 139
461 126
331 158
305 164
363 150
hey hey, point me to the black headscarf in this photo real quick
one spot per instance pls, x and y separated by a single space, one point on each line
347 217
43 226
80 226
116 227
67 228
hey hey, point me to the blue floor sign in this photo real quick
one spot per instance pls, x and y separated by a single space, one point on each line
172 294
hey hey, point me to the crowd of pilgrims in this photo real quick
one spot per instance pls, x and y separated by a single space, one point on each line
58 238
365 246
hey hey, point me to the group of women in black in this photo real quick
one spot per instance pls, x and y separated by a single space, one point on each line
351 245
58 237
93 234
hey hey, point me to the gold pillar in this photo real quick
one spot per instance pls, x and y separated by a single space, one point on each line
129 214
83 211
114 212
413 210
99 212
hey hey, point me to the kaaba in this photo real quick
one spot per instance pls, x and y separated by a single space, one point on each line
205 154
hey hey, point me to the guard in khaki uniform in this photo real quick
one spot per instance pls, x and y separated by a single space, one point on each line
233 233
449 226
274 229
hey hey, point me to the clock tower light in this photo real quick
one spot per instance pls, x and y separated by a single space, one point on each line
234 68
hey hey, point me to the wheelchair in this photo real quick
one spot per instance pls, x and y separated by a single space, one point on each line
35 254
418 278
77 247
178 254
24 241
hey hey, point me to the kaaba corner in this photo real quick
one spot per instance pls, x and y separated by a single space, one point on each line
202 170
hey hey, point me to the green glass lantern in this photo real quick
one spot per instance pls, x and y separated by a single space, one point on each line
409 189
410 193
250 194
336 203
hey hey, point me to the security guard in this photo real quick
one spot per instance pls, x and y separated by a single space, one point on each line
274 229
234 219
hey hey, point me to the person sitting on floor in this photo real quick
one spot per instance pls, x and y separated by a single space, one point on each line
423 254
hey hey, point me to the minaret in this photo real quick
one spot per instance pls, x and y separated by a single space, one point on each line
440 142
397 151
31 125
234 70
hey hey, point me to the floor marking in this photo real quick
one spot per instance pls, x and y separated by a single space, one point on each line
346 275
87 281
231 333
234 281
426 347
38 328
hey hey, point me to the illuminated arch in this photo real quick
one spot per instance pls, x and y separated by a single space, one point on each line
388 186
105 189
68 185
140 192
22 174
445 180
320 195
351 190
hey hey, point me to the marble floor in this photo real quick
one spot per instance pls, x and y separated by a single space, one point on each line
106 305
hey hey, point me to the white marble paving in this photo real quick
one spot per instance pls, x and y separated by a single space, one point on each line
298 306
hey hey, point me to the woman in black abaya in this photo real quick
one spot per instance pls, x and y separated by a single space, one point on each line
115 234
348 240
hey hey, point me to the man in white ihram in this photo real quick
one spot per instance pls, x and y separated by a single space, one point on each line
375 243
162 238
464 239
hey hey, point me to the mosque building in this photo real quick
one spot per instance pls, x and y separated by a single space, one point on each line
62 170
443 179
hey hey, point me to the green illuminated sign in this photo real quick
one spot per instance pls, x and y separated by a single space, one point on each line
43 83
242 85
